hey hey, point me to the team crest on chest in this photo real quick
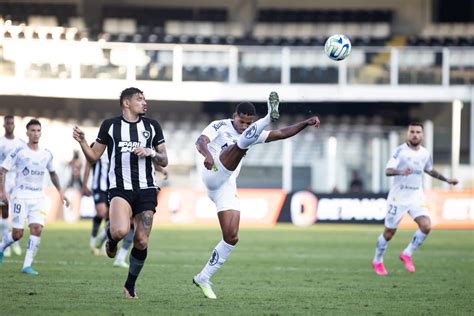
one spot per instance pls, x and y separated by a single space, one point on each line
146 134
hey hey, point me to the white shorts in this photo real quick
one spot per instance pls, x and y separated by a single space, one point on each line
221 187
34 209
395 213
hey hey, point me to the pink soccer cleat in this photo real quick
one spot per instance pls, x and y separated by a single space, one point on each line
379 268
408 262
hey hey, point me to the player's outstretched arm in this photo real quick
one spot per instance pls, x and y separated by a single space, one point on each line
55 180
201 146
3 196
92 153
435 174
85 180
292 130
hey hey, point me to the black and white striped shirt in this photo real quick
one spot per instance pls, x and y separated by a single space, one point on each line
100 172
128 171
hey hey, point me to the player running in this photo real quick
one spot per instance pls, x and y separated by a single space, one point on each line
223 143
134 143
407 165
31 162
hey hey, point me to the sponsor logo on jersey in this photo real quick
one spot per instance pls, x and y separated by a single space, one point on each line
128 146
218 125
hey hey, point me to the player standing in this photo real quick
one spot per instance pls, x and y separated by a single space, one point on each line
8 142
31 162
407 165
223 143
133 143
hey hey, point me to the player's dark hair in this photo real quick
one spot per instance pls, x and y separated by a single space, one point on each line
128 94
416 123
245 108
8 117
33 122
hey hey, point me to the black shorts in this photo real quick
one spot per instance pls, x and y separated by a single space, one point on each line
140 201
100 197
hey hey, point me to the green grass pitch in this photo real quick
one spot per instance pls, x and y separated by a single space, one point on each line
324 269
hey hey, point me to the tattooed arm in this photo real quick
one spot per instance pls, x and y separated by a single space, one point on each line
435 174
55 180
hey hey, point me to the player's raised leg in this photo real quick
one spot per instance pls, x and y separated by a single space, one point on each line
119 224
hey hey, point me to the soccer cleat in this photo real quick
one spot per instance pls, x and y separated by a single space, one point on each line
16 248
95 251
111 252
205 287
30 271
379 268
272 103
7 252
121 264
408 262
128 295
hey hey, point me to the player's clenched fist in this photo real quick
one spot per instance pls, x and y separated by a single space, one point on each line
313 121
77 134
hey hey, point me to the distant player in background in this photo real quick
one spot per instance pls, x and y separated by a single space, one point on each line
407 165
224 143
134 143
31 162
8 142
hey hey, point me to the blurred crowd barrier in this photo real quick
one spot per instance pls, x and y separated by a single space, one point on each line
449 209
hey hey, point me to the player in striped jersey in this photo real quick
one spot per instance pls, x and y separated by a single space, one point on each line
134 143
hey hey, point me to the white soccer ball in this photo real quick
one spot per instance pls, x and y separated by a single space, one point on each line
338 47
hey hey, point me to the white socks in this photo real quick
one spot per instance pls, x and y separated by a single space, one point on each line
122 253
32 248
380 248
218 257
251 134
7 241
4 224
418 238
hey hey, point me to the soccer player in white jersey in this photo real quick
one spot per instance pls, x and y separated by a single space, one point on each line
407 165
27 200
8 142
223 143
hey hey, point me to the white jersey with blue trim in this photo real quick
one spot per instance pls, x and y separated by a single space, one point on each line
222 134
407 190
31 166
6 146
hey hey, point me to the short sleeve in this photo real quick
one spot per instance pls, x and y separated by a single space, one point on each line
104 137
49 165
212 130
158 138
11 158
429 163
394 159
262 137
